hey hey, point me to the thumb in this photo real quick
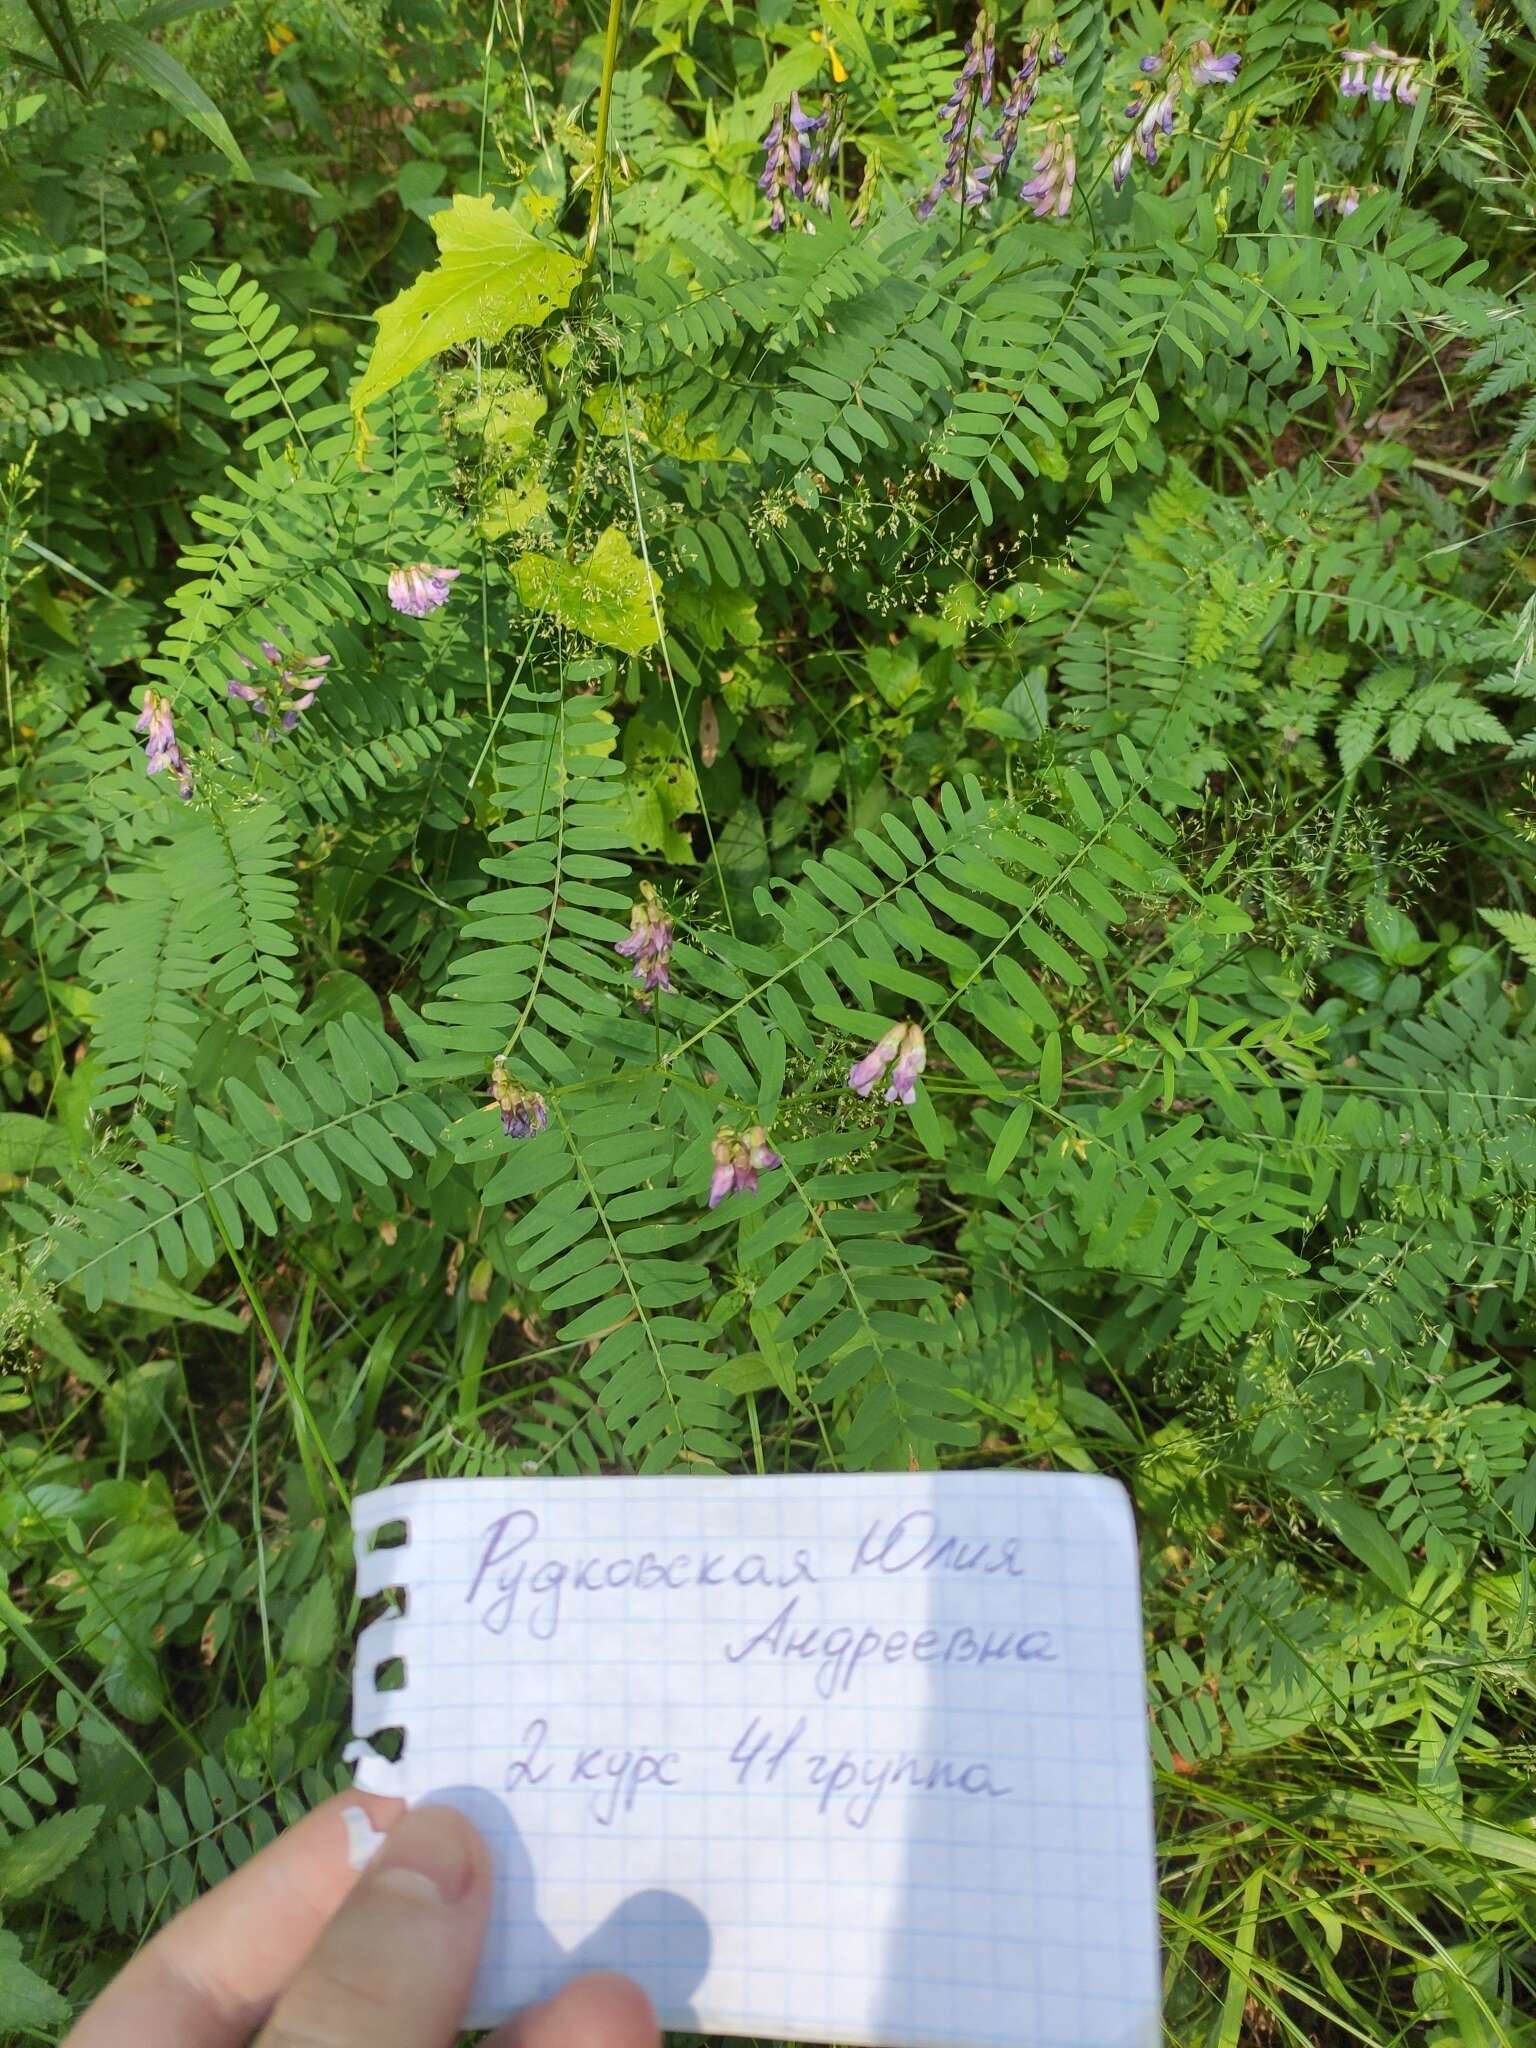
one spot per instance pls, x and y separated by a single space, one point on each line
395 1967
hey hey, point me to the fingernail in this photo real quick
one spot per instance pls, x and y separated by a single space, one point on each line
430 1855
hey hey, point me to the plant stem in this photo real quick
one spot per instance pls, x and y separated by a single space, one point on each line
604 109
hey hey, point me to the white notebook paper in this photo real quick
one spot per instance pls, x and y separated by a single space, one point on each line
849 1759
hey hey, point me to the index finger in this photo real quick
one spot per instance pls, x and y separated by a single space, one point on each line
210 1978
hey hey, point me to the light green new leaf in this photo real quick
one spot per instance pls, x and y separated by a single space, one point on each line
1517 928
611 596
29 1861
153 65
493 276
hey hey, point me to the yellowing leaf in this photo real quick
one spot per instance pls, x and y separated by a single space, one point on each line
611 596
659 789
504 415
513 511
493 276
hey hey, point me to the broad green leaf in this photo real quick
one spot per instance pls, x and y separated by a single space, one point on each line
30 1142
154 66
28 2003
659 789
611 596
310 1636
493 276
29 1861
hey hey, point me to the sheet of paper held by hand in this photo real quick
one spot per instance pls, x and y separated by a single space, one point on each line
852 1759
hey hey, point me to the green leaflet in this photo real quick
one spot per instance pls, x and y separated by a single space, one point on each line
153 65
493 276
35 1859
27 2001
611 597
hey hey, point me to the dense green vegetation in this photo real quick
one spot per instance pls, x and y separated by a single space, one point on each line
1088 636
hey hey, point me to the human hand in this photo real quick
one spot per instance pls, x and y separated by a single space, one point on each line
315 1954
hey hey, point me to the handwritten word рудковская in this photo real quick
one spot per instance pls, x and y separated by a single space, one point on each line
509 1567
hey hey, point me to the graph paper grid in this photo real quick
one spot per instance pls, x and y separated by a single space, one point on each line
646 1693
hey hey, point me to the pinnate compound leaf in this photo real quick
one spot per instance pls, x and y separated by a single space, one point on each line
1517 928
493 276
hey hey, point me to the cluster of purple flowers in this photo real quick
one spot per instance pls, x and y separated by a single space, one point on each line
973 169
420 588
1380 73
523 1112
897 1059
649 943
1341 203
1049 190
1152 113
161 749
799 151
739 1156
904 1051
289 691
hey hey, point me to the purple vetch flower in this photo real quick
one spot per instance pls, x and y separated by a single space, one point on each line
967 168
774 180
1153 119
722 1181
824 154
800 146
1205 68
161 748
420 588
1352 73
649 943
910 1061
1381 73
739 1156
1152 66
1120 163
294 684
865 1073
997 157
1049 191
524 1113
